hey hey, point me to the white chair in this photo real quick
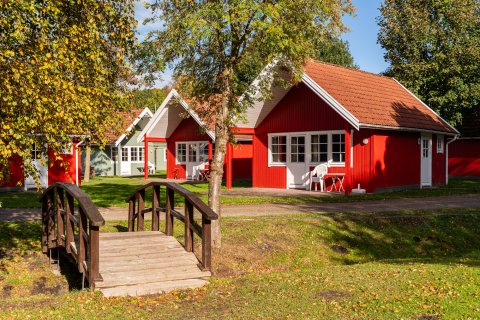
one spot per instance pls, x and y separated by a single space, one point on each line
318 175
151 168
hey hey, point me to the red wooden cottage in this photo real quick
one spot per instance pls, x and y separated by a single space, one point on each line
191 142
50 170
464 153
372 130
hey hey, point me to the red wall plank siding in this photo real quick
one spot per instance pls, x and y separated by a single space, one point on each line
362 160
15 177
242 161
264 176
300 110
187 130
395 160
464 158
62 170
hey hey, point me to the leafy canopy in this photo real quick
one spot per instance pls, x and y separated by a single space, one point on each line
433 48
151 98
64 70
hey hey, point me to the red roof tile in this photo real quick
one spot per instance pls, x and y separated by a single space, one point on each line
128 117
374 99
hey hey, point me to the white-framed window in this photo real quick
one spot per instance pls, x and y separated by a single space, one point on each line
319 148
310 147
278 147
141 153
133 154
36 152
181 152
125 152
338 147
439 144
191 151
203 152
114 153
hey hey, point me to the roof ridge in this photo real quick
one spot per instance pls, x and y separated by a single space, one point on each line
352 69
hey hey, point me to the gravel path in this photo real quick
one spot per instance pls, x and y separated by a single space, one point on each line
430 203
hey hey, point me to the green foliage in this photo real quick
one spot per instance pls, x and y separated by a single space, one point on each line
150 98
334 50
433 48
64 71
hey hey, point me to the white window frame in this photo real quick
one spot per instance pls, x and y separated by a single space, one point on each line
271 163
125 154
308 155
186 143
440 143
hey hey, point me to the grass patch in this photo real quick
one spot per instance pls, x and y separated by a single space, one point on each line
373 266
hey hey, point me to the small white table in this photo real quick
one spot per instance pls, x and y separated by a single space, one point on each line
336 177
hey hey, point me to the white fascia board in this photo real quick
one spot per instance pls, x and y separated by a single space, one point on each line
374 126
144 112
341 110
425 105
156 117
193 114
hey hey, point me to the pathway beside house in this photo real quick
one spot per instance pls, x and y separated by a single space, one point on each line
429 203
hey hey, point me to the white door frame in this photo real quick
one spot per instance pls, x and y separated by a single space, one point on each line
125 166
296 170
29 181
426 160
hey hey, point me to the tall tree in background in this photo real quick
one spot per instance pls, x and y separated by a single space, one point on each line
433 48
333 49
64 72
151 98
214 45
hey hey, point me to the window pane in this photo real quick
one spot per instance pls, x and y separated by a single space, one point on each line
297 149
278 148
124 154
203 152
192 152
338 147
319 147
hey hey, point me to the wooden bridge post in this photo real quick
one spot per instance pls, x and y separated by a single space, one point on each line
69 211
206 243
155 206
141 206
51 234
82 229
168 216
94 255
45 225
59 195
131 214
188 228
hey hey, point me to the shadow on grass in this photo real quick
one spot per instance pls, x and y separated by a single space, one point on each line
19 238
440 238
120 228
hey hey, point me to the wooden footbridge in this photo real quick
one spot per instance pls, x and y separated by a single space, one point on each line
136 262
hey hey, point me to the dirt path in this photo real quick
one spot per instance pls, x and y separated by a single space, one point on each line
430 203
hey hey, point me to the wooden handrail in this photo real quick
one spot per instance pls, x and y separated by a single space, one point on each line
136 211
75 232
194 199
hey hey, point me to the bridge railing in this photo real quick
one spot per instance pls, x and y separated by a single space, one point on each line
70 221
137 210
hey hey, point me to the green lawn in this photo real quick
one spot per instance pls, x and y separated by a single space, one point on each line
112 191
404 265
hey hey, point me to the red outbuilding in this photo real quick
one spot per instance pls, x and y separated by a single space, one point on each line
191 142
464 153
50 169
371 131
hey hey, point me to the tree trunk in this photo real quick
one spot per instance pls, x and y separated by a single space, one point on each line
86 174
216 170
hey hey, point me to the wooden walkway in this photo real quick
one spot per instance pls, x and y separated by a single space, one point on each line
136 262
146 262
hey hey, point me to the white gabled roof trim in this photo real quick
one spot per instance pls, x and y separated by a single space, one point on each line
323 94
425 105
145 112
163 108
